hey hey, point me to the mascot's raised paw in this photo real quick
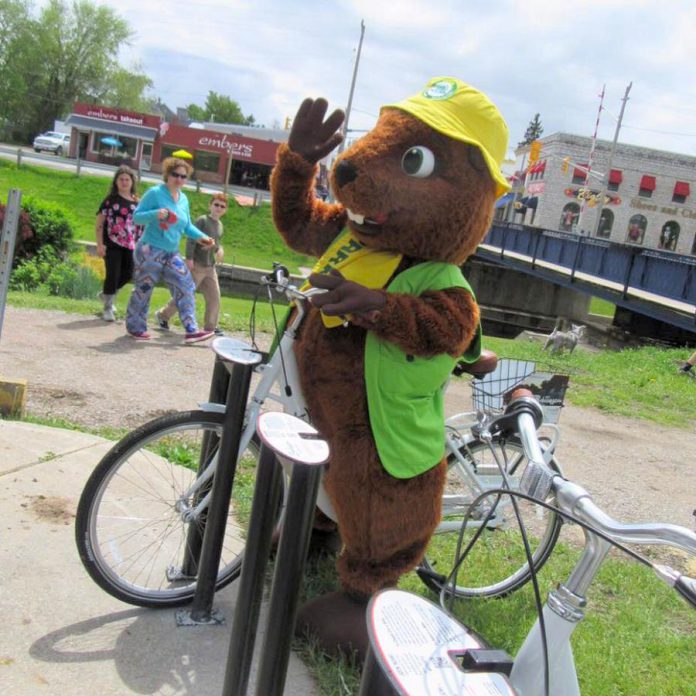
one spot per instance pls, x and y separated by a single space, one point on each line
311 136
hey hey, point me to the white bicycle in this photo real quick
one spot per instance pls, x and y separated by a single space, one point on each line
418 648
139 506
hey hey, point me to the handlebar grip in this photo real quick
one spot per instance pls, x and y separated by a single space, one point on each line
520 393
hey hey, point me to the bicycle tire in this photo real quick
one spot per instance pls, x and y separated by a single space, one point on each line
128 530
498 555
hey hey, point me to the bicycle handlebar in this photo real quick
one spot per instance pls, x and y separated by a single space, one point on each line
573 499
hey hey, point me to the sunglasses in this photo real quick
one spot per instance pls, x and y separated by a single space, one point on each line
176 175
219 205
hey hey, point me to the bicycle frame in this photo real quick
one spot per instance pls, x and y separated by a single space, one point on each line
564 608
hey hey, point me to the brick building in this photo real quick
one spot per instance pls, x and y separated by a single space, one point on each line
241 154
648 199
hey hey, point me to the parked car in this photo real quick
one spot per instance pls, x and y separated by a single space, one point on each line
58 143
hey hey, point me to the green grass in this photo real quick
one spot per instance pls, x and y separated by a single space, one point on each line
602 307
250 238
635 382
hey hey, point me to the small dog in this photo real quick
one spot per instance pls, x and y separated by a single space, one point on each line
564 340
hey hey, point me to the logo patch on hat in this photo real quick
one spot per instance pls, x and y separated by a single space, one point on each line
442 89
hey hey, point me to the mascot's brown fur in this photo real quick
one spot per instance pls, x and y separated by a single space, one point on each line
385 522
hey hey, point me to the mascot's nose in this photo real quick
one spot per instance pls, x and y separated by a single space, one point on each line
345 172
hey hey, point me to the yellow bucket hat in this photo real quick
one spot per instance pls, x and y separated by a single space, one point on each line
461 112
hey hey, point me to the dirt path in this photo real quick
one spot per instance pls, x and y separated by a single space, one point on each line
89 372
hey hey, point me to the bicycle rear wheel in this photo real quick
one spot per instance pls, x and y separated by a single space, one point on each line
497 564
133 528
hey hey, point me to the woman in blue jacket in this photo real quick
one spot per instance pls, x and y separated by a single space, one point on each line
164 211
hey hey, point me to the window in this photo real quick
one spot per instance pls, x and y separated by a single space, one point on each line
636 229
110 145
681 191
669 236
206 161
606 222
168 150
579 176
615 179
569 217
647 186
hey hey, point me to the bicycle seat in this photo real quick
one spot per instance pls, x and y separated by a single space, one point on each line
483 366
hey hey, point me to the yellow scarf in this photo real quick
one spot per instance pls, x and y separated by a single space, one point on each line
355 262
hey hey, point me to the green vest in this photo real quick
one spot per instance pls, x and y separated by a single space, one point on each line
405 393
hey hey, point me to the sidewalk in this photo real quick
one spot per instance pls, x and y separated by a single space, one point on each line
61 633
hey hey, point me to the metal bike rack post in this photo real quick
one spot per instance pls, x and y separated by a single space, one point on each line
296 442
242 360
256 553
219 393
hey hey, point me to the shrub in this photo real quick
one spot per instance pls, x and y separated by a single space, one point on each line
24 232
51 227
76 282
32 273
58 277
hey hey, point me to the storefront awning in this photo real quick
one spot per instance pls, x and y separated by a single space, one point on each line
102 125
647 182
681 188
615 176
504 200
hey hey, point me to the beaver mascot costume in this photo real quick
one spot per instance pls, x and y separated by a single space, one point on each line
414 199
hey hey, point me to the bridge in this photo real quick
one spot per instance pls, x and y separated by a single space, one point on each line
660 285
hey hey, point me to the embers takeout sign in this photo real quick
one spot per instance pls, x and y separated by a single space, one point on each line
230 146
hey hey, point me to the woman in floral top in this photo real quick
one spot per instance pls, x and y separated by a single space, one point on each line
117 235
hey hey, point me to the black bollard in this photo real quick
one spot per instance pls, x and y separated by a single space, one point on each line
298 444
219 388
287 579
242 360
256 553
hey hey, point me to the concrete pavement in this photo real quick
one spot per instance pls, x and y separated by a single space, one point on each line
61 634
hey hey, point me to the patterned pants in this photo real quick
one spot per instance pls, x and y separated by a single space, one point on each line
151 264
206 281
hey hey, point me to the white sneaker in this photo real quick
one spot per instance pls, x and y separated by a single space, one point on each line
108 314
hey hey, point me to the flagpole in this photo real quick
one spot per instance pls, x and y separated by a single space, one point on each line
583 202
352 88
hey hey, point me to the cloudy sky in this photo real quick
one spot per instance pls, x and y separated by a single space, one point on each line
545 56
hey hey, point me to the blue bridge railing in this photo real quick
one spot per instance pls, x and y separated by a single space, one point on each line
665 274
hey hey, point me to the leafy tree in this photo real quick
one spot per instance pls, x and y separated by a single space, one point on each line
221 109
66 53
533 132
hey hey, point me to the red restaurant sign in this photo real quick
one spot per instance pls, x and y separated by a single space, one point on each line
117 115
241 148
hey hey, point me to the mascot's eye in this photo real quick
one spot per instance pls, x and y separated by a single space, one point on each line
418 162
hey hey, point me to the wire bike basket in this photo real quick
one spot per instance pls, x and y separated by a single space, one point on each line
491 393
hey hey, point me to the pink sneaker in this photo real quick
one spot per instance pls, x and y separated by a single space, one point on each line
139 335
198 336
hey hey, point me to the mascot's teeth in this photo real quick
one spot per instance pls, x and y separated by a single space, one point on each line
357 219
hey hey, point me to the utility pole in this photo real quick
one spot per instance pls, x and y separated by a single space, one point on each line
352 88
583 203
605 181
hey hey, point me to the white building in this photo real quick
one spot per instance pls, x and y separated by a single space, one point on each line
648 198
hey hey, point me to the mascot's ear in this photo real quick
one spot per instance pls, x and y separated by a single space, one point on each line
476 160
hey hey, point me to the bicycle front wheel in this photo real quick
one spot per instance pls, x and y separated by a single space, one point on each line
497 564
134 529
